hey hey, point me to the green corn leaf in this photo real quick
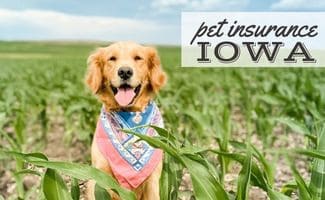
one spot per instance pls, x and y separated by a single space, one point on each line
244 178
29 157
85 172
157 143
191 150
270 99
310 153
205 185
267 166
164 133
289 188
315 113
27 171
75 190
223 142
294 125
213 170
304 192
19 126
14 145
79 171
54 187
101 193
317 183
257 176
297 127
36 156
170 178
199 120
19 179
275 195
238 145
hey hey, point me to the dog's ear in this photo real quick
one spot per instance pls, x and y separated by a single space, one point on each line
157 77
94 76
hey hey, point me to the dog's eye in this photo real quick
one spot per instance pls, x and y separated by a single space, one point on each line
113 58
137 58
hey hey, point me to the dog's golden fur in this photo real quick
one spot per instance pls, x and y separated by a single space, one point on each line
102 74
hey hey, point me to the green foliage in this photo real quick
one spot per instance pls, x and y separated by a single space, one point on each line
54 187
41 85
79 171
101 193
244 178
170 178
317 183
75 190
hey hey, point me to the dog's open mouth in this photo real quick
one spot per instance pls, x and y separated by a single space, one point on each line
125 94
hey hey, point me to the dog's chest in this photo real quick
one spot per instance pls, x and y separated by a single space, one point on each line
126 152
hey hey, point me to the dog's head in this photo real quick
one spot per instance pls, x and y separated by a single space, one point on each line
125 75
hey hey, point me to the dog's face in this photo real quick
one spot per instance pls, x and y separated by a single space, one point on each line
125 75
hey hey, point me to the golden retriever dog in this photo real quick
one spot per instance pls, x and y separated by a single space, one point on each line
125 77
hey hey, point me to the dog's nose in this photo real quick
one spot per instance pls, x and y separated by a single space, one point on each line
125 72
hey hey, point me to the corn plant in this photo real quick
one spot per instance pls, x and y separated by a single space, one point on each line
213 118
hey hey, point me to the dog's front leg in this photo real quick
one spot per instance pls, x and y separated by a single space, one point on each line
98 161
151 188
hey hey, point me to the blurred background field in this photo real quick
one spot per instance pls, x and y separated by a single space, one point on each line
260 122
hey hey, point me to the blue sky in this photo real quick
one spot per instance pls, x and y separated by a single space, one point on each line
156 21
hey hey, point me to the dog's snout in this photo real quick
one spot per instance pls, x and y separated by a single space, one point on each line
125 72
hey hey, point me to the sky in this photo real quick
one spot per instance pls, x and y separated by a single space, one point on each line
144 21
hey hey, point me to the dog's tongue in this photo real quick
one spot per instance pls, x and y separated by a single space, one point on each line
124 96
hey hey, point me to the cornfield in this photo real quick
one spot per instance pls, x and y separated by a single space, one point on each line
230 133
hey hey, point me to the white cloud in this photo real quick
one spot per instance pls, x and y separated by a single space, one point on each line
199 5
39 24
298 5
